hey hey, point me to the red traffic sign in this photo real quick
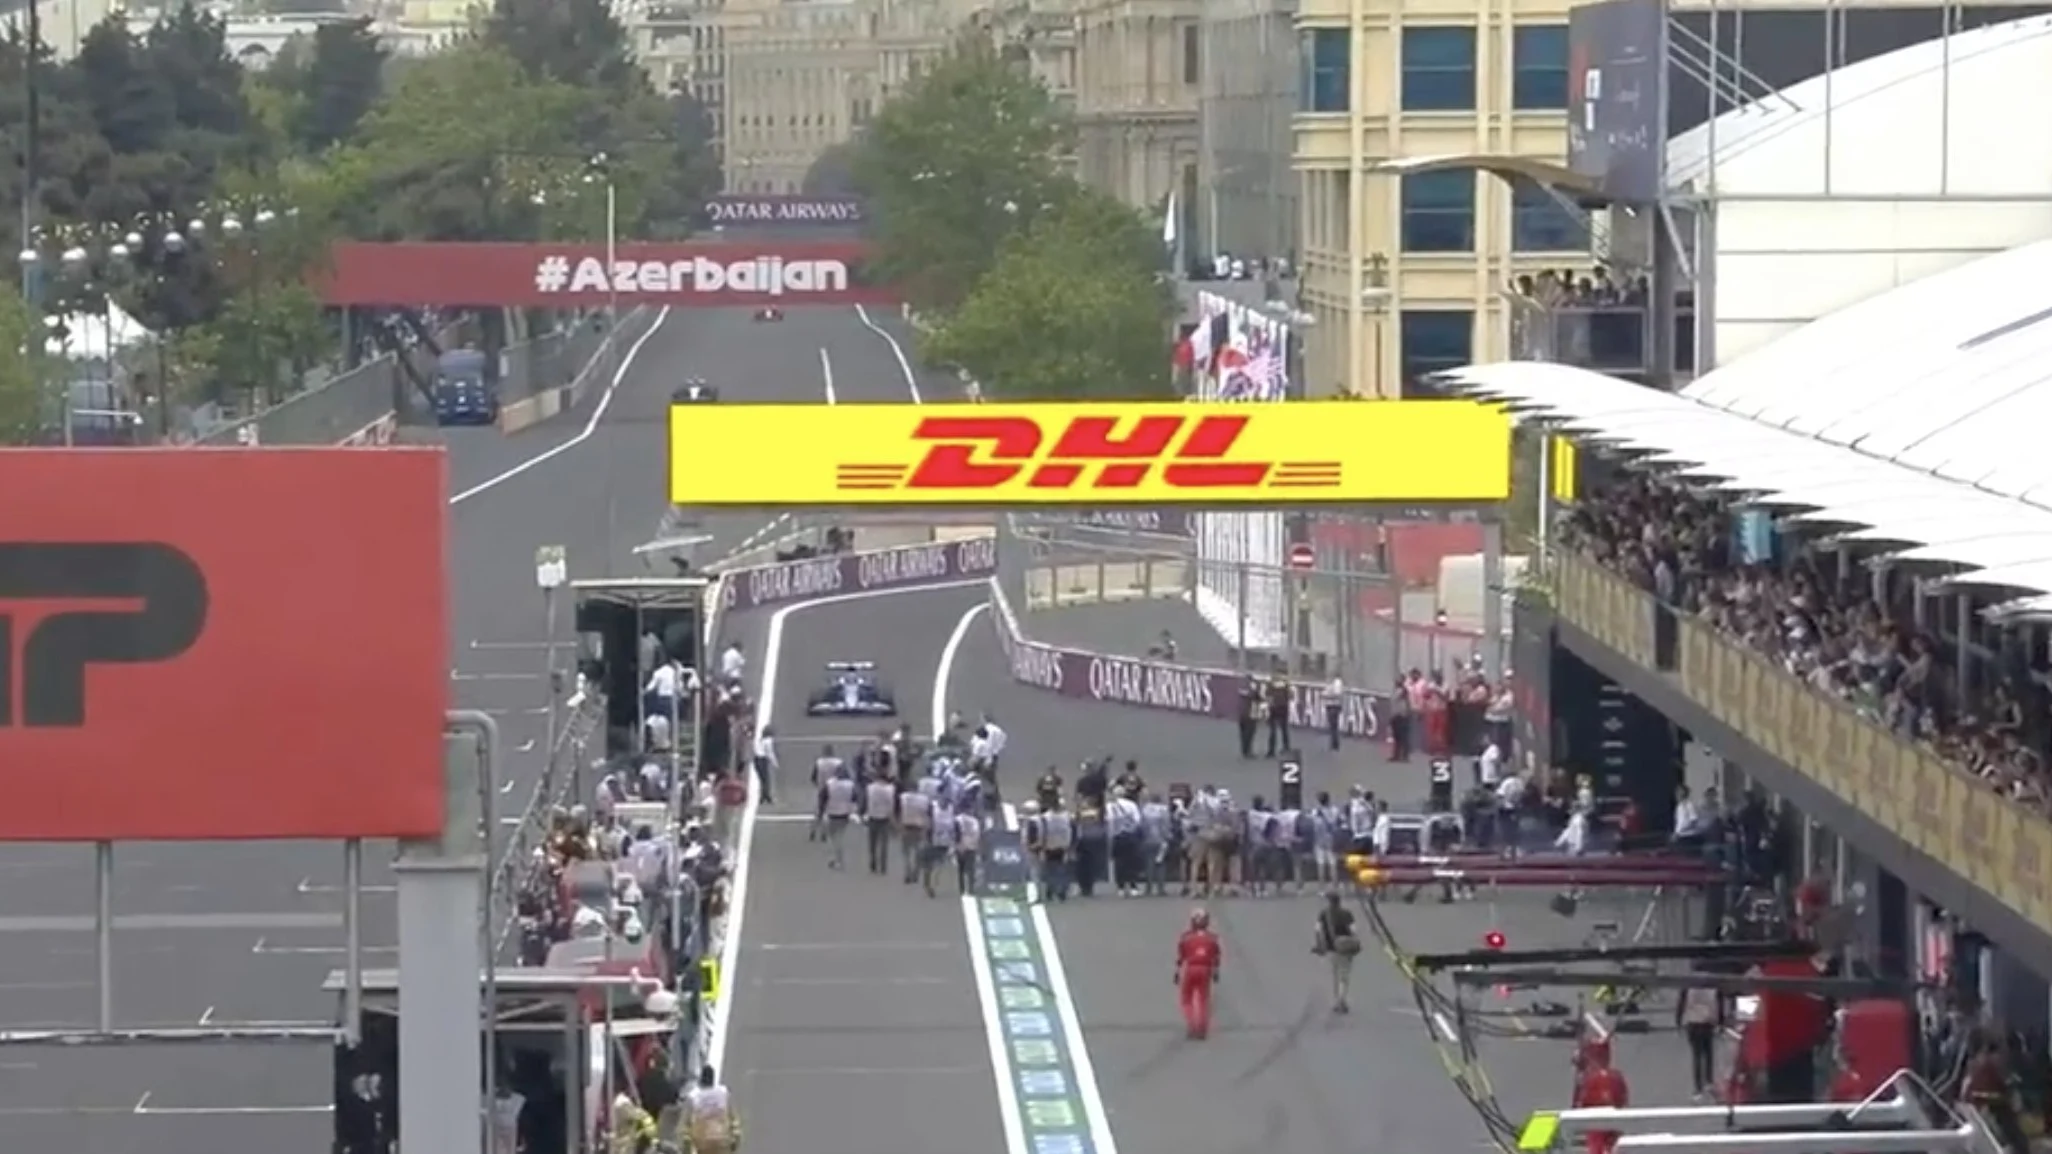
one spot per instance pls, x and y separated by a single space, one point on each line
1301 557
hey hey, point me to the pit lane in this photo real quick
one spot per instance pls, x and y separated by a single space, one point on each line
1279 1073
853 993
215 933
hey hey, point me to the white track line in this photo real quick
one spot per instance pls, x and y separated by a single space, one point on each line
897 350
598 413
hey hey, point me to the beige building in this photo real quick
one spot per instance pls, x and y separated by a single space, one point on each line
1138 72
801 77
1248 186
1043 33
682 46
1403 270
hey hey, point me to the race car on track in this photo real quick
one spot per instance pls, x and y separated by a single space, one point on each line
769 314
694 392
852 690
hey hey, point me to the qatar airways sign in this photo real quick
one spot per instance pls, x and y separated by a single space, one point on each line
1161 685
784 210
903 568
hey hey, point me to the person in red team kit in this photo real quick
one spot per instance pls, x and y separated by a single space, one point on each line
1197 958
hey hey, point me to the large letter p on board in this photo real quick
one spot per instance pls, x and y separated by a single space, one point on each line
56 653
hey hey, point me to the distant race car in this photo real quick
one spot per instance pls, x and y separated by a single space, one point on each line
852 690
694 393
769 314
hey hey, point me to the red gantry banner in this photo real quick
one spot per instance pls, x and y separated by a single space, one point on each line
683 274
209 644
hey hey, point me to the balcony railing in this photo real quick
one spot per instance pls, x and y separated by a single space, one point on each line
1603 338
2002 847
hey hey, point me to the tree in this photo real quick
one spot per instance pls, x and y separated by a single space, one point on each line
575 42
832 172
1074 308
340 80
454 152
960 160
21 369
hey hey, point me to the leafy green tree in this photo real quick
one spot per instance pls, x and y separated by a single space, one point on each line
960 160
341 79
832 172
21 369
453 152
575 42
264 337
1075 308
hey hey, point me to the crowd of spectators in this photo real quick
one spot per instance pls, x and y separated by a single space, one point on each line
1597 288
1830 624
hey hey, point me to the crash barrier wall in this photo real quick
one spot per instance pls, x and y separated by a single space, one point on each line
584 357
1340 630
353 408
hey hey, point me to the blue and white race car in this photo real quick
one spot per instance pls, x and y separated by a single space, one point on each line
852 690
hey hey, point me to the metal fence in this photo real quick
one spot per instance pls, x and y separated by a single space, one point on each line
1356 625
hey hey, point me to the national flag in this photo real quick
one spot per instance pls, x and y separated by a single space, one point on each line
1200 345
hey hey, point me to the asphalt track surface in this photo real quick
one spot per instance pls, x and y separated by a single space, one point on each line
854 994
239 932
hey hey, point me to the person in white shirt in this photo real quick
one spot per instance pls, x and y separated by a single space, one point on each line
766 762
1335 708
1122 818
710 1121
1689 823
733 664
659 696
656 730
1489 767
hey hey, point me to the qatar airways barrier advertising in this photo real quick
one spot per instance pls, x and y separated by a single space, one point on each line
1069 672
682 274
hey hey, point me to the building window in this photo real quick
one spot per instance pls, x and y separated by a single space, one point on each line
1439 211
1541 223
1190 54
1439 69
1539 66
1434 340
1327 82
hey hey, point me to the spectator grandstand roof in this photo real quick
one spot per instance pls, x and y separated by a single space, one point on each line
1918 418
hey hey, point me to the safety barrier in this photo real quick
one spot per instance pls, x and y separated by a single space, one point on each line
546 403
1164 685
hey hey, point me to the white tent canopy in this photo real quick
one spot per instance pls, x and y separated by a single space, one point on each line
92 336
1890 501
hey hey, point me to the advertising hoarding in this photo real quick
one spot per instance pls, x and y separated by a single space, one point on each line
207 644
1617 77
682 274
1090 455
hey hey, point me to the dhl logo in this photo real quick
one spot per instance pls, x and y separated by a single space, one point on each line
1191 453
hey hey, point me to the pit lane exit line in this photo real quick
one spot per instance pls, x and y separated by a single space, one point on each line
1045 1064
720 1023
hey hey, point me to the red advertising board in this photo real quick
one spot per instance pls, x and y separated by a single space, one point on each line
684 274
208 644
